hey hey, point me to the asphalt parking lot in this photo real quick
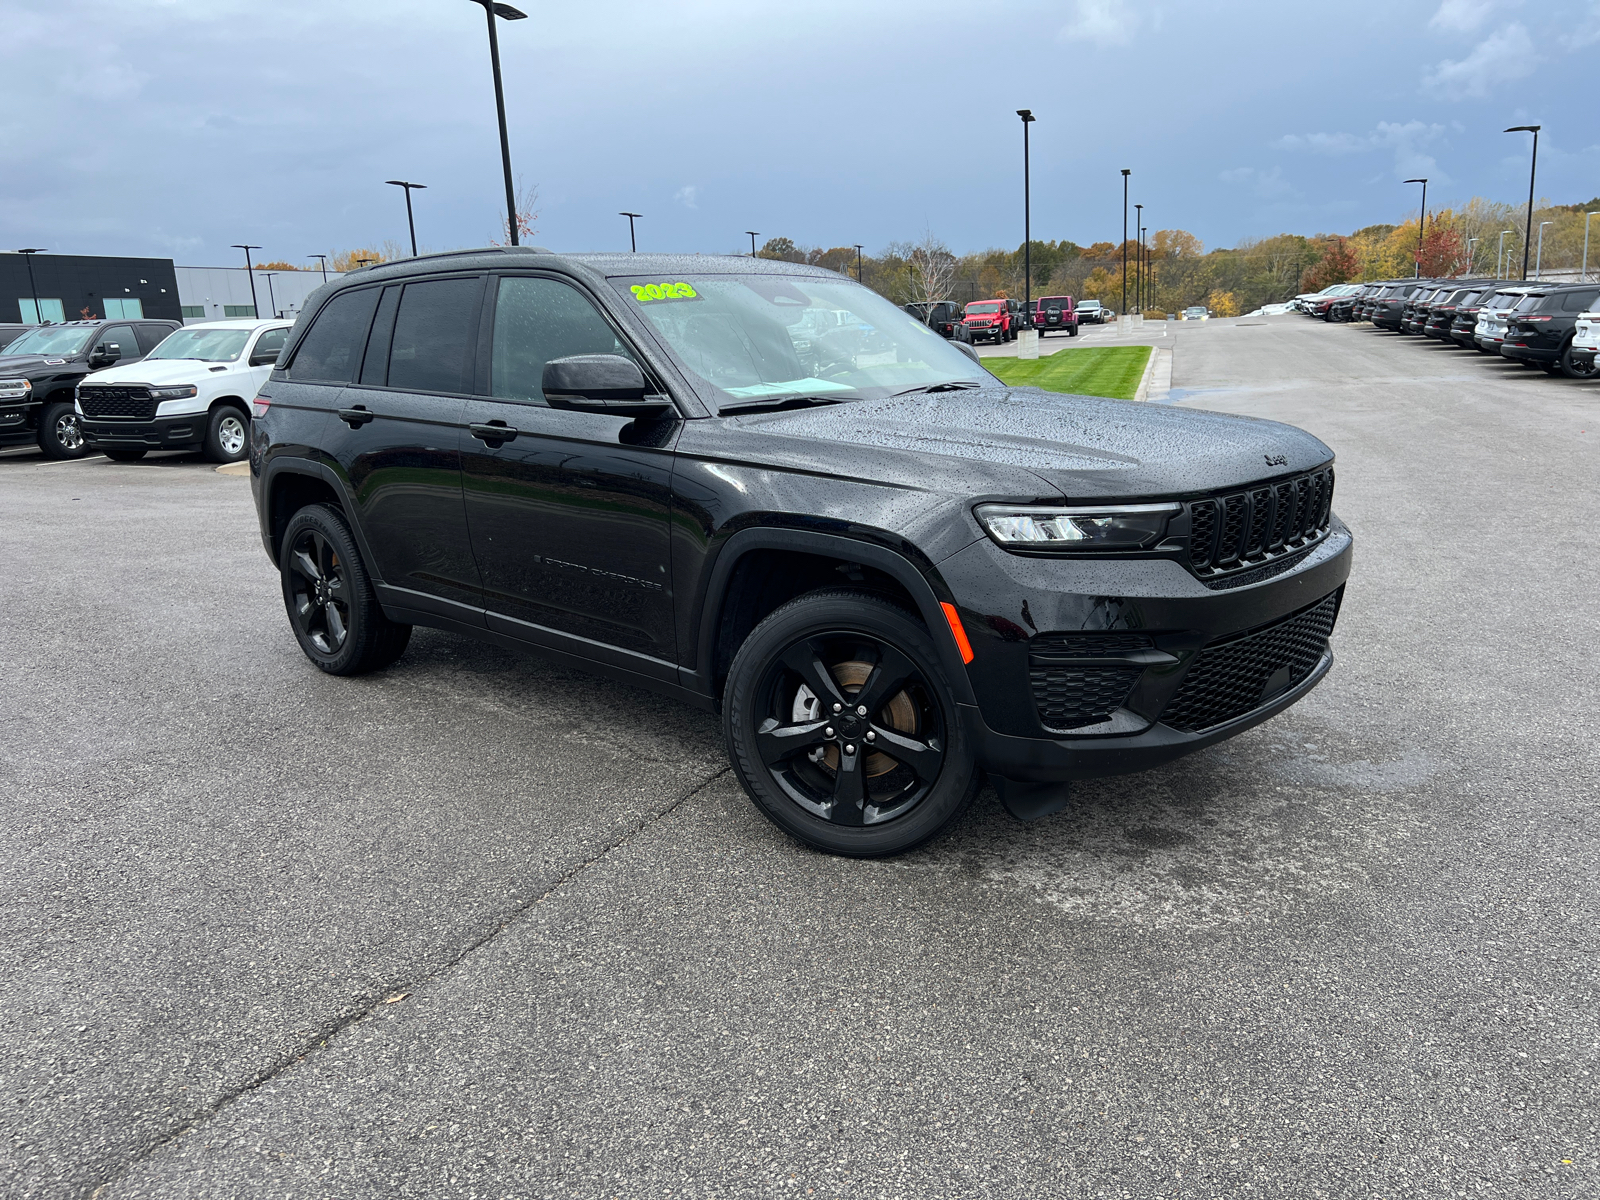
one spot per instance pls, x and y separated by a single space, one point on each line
476 926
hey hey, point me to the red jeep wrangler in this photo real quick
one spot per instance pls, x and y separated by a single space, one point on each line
989 319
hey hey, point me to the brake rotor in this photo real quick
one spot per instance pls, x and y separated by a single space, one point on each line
899 714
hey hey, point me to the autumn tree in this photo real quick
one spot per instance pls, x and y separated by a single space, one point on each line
526 201
1338 264
280 265
933 269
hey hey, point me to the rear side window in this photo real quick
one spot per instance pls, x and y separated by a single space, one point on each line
536 320
1579 301
331 351
270 342
435 337
151 336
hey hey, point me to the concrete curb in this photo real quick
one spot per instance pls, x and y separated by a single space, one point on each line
1160 377
1142 392
238 468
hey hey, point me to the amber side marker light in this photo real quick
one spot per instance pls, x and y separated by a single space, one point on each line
956 631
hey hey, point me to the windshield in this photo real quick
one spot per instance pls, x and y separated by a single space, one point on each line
984 306
52 341
775 336
207 345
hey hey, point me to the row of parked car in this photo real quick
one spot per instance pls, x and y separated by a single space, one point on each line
1003 319
124 388
1555 326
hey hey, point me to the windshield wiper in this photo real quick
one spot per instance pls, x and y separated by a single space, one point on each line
776 403
950 386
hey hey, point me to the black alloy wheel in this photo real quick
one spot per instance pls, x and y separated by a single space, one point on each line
332 608
59 433
842 727
1572 368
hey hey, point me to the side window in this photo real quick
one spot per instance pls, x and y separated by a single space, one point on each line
270 342
331 351
1580 301
151 336
536 320
375 368
122 337
435 336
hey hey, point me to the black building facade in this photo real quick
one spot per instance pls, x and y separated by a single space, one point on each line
72 286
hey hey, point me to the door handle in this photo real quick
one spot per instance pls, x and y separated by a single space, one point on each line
356 417
494 431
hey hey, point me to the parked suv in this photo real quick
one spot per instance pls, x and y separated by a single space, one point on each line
192 391
1092 312
1054 314
989 319
39 370
1540 329
941 316
887 570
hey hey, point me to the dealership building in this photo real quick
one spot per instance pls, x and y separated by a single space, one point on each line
73 287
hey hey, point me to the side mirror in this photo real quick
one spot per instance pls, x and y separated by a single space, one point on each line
966 348
600 383
108 353
263 358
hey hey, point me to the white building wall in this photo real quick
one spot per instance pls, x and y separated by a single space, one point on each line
212 288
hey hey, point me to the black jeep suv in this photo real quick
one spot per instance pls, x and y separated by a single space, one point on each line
1540 328
39 371
889 571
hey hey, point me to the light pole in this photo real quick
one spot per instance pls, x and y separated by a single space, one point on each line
272 302
1538 261
363 261
1421 221
33 288
858 262
1533 170
1125 173
250 271
1138 253
1499 257
1144 270
1471 242
1027 225
323 258
632 241
1585 245
491 10
410 223
752 234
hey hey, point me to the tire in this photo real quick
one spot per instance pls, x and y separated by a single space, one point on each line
1072 331
839 643
59 434
227 435
1573 369
332 608
124 455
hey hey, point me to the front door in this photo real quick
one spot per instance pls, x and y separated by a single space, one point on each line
568 511
397 434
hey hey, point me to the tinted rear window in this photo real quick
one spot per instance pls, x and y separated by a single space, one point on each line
1578 301
435 336
331 351
1530 304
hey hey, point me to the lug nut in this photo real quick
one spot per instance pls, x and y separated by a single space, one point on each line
837 707
861 710
828 732
849 749
871 736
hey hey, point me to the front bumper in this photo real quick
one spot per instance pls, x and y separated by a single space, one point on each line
19 422
179 432
1016 603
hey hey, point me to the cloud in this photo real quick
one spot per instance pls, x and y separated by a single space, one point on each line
1325 143
1505 55
1462 16
1269 185
688 196
1405 141
1103 22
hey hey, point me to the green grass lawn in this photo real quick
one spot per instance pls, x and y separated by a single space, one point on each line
1112 371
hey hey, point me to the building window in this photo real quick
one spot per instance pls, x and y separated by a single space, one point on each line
52 309
238 310
192 311
126 310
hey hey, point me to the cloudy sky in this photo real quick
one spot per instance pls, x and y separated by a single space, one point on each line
177 127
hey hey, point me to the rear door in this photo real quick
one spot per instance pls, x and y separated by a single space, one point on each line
568 511
397 436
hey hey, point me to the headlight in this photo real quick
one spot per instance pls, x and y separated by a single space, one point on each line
15 389
1114 527
174 393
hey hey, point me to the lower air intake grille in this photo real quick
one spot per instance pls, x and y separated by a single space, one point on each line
1070 688
103 400
1231 678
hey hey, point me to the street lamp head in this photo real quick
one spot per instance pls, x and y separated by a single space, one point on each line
32 250
1416 181
1126 171
1525 129
504 11
404 184
1026 114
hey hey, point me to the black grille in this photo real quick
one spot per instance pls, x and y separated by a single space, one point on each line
1245 529
103 400
1069 690
1231 678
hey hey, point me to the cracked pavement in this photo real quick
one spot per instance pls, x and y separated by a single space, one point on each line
480 927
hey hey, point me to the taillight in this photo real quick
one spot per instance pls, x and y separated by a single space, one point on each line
260 404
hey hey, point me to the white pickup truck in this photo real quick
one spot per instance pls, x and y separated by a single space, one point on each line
193 391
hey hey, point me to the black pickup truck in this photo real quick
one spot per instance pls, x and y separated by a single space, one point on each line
40 370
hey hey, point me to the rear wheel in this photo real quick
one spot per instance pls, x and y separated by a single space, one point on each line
1573 369
332 608
227 435
59 433
842 727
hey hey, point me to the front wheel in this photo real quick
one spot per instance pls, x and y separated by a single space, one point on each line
843 729
332 608
59 433
1573 369
227 435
